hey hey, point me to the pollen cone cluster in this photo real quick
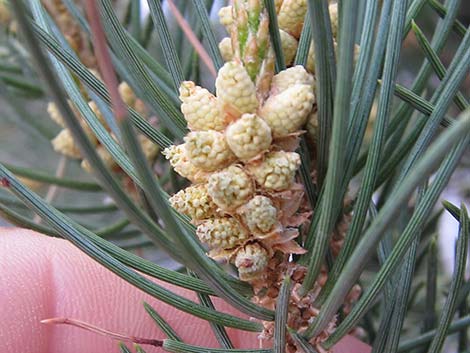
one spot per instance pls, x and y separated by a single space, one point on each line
237 153
64 143
74 35
8 21
333 10
291 14
242 173
5 14
240 156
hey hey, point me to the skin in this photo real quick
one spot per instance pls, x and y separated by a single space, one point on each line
42 277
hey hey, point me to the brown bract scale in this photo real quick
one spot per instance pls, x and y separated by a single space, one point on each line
301 310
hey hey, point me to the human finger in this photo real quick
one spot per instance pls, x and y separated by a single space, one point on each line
44 277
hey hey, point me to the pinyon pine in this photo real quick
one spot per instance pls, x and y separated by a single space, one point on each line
282 167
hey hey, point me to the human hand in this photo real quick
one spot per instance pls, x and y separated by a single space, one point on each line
43 277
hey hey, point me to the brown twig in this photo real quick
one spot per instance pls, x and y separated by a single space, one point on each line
103 332
197 45
103 58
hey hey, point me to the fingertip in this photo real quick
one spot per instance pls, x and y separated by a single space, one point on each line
23 292
44 277
350 344
49 277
